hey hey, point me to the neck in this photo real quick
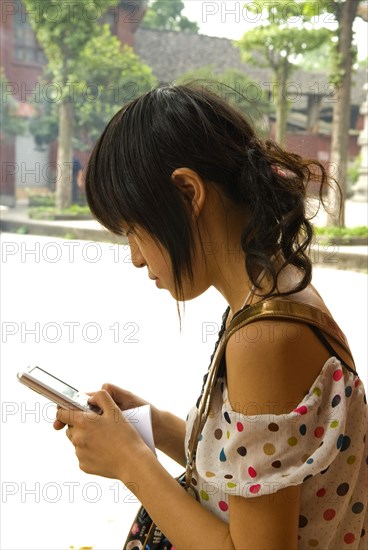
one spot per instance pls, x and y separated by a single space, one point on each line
228 273
223 224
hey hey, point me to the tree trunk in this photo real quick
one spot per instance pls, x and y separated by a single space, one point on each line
341 111
64 181
282 104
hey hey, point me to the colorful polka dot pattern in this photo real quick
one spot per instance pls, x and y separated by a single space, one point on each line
320 444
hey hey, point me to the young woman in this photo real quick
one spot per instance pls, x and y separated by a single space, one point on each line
184 177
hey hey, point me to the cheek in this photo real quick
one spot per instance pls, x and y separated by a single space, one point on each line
161 260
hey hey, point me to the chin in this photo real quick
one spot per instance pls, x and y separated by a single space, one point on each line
189 294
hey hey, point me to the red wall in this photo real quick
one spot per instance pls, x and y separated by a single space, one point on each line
316 146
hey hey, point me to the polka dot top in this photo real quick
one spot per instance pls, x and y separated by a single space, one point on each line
321 445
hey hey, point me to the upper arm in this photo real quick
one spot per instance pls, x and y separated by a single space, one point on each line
270 367
269 521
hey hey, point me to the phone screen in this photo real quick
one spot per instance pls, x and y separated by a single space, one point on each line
53 382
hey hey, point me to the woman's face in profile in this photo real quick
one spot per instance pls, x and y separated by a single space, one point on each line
147 252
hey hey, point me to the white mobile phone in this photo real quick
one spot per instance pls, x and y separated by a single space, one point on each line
55 389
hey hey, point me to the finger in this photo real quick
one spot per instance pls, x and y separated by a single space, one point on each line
112 390
58 425
66 416
123 398
116 394
104 401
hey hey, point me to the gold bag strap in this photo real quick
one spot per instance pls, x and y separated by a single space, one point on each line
294 311
267 309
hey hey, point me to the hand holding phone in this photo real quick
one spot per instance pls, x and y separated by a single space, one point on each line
68 397
55 389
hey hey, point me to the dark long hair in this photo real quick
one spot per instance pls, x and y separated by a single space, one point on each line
128 179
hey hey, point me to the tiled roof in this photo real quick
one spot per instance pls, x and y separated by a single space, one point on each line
172 53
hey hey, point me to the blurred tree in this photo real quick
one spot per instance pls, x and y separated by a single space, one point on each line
63 29
363 63
318 59
285 33
166 15
99 90
44 125
128 4
344 56
11 122
120 78
235 87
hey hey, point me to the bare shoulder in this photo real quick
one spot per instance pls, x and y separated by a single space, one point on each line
272 364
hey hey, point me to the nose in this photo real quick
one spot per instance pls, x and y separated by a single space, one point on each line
135 253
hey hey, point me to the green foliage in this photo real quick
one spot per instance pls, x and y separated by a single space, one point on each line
11 123
166 15
44 126
354 169
236 88
363 63
318 59
331 12
75 211
70 236
101 78
22 230
335 231
104 86
63 29
36 200
285 33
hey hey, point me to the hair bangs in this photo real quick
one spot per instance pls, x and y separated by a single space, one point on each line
113 189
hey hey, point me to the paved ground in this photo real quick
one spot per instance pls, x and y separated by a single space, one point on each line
82 311
75 306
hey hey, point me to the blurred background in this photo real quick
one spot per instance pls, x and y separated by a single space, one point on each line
71 302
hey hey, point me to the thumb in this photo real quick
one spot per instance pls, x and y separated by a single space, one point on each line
104 401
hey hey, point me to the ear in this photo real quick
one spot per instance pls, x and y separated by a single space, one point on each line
192 187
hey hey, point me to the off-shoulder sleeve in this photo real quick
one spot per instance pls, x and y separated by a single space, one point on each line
253 455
